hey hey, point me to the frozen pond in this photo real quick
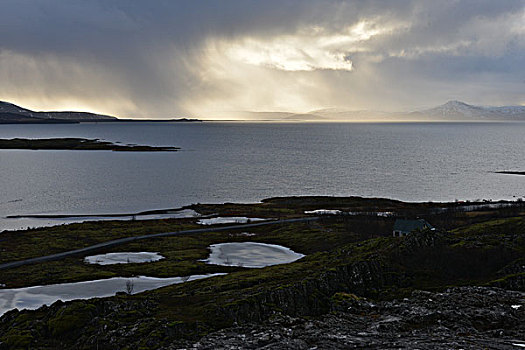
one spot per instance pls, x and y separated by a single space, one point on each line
33 221
323 212
228 220
35 297
123 258
251 254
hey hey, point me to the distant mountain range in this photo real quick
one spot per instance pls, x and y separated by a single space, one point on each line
455 110
13 114
450 111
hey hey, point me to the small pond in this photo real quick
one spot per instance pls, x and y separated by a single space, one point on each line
123 258
250 254
228 220
37 296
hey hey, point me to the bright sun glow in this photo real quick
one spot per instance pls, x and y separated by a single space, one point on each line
312 48
283 72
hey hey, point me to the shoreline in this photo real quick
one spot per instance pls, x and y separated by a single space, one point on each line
438 204
24 222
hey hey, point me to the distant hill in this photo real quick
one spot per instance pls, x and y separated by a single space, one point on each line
267 116
12 118
69 115
452 110
248 115
309 117
349 115
11 113
457 110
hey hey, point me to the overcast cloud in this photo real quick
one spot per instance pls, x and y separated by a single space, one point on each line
167 59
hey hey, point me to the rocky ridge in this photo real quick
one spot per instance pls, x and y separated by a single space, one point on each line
462 317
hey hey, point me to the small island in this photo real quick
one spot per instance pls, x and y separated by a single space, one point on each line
511 172
79 144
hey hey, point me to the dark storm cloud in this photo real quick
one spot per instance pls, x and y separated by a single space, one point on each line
162 58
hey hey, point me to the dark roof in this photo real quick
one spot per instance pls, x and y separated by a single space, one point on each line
410 225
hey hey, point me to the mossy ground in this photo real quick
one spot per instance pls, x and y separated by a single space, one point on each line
182 253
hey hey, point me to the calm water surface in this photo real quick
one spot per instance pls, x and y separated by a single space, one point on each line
246 162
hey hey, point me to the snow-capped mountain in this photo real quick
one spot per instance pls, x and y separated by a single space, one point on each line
452 110
463 111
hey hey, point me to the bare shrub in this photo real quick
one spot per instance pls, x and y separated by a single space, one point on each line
129 286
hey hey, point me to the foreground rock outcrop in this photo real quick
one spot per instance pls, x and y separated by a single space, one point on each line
462 317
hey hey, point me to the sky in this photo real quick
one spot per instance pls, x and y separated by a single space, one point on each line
208 59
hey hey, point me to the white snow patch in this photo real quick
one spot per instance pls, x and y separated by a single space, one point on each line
250 254
35 297
247 234
228 220
123 258
323 212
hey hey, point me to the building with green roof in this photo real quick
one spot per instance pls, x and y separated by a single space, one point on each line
403 227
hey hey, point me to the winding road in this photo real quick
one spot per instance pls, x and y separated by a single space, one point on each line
121 241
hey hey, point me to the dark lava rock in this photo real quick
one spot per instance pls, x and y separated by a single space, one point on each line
459 318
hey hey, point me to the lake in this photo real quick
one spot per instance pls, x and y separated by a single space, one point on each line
246 162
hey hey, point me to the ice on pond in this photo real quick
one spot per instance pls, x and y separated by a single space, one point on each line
35 297
228 220
250 254
323 212
123 258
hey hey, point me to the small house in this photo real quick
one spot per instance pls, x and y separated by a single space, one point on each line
404 227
